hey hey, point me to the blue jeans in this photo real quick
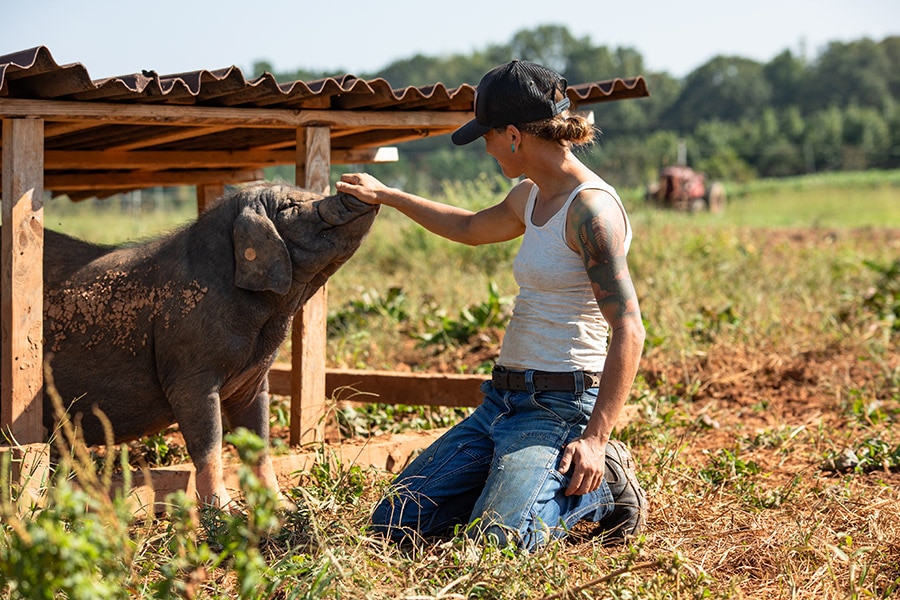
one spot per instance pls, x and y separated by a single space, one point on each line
496 471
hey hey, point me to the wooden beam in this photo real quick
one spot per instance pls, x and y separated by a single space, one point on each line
168 135
207 195
21 307
150 487
212 159
386 452
308 338
352 156
145 179
265 118
374 137
360 156
26 470
389 387
312 159
52 130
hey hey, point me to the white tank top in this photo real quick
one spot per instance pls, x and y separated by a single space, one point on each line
556 323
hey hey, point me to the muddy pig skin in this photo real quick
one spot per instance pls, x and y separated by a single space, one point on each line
183 329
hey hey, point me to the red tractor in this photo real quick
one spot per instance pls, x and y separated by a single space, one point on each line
682 188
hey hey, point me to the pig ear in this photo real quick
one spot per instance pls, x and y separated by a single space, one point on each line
261 259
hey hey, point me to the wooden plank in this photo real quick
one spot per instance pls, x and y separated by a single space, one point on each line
359 156
364 138
52 130
313 159
429 389
149 488
390 452
168 135
265 118
398 387
26 472
309 337
21 307
389 387
158 159
145 179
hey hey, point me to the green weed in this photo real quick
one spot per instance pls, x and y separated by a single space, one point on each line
356 313
883 298
726 466
731 445
370 419
871 454
445 331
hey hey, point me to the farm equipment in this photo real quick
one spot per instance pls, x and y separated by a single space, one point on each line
682 188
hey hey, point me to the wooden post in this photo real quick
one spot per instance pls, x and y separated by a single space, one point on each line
207 194
21 307
26 472
308 338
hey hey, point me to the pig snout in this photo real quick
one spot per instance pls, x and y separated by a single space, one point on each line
342 208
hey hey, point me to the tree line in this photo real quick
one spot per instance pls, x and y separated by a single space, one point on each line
739 119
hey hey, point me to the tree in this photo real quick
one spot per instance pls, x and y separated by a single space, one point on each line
787 76
824 138
891 48
740 118
549 45
726 88
853 73
866 137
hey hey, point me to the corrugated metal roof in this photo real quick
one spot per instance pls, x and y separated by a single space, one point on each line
143 129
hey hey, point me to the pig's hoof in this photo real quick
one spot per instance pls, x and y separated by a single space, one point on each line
285 503
222 501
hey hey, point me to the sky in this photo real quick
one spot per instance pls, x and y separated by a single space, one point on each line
119 37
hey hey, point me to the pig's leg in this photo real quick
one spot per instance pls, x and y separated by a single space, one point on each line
201 425
255 417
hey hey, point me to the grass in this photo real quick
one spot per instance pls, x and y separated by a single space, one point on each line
766 431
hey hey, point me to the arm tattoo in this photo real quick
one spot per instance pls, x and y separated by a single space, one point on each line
601 241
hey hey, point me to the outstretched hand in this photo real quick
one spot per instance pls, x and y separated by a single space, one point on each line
361 185
586 457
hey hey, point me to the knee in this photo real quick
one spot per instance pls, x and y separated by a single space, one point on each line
381 516
386 520
530 537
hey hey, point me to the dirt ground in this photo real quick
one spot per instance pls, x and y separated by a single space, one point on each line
737 452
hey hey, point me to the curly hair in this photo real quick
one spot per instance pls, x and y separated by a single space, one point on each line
567 128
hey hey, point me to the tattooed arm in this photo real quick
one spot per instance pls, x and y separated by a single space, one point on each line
596 229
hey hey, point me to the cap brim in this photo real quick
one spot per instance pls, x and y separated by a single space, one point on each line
469 132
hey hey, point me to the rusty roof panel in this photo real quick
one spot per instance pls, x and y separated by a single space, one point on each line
106 123
34 74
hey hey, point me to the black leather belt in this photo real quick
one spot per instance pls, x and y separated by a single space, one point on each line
544 381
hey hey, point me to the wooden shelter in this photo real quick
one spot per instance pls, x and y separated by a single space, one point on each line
68 135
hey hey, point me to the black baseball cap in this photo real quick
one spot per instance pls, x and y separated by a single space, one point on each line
512 94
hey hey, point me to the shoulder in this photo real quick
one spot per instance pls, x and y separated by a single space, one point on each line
517 198
597 211
600 201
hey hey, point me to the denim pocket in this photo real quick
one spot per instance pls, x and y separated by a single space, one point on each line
567 407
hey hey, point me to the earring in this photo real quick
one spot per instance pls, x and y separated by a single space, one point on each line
513 147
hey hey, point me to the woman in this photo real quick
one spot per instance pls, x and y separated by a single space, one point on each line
536 456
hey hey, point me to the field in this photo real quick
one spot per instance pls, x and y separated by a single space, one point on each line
766 418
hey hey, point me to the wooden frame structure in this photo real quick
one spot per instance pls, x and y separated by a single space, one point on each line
72 136
22 241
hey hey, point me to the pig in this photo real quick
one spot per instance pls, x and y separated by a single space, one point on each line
182 329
